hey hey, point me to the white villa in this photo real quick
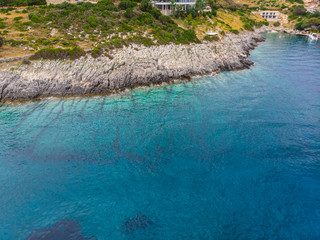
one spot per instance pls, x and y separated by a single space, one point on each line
165 5
270 15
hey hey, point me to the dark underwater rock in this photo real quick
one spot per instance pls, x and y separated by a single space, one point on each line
65 229
140 221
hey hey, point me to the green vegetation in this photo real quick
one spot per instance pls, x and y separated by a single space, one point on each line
4 3
276 24
107 19
55 31
2 24
296 1
304 19
211 38
58 53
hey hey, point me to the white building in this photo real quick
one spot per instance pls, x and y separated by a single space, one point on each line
165 6
270 15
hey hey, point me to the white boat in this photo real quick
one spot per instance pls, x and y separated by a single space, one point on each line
211 33
313 37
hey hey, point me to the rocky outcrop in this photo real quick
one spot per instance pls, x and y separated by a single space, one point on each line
131 66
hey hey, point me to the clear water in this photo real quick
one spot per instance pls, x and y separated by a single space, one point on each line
235 156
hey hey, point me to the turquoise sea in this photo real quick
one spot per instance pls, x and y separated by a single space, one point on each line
233 156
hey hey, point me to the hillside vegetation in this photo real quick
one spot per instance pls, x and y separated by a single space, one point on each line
66 28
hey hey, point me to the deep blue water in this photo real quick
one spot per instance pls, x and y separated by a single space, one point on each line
234 156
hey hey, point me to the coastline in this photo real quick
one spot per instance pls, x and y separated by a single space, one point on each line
130 67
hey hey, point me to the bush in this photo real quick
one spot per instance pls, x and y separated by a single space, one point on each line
248 27
96 52
129 13
1 41
15 43
27 23
2 24
155 13
93 22
123 5
103 5
276 24
25 62
146 18
234 31
166 20
17 18
125 27
145 6
299 10
35 17
22 2
211 38
58 53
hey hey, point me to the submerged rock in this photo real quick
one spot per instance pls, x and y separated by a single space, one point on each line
131 66
140 221
65 229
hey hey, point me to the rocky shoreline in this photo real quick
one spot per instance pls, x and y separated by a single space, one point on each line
130 67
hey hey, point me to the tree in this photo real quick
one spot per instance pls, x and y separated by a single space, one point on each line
145 6
200 5
299 10
214 7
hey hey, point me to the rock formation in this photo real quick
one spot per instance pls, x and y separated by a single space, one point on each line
130 67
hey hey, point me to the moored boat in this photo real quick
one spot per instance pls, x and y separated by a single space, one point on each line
313 37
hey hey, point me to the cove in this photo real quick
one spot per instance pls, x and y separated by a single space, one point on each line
234 156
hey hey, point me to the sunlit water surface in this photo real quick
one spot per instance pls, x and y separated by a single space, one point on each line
235 156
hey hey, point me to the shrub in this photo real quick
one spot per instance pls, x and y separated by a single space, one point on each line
17 18
129 13
234 31
2 24
23 2
211 38
14 43
96 52
34 17
146 18
123 5
58 53
145 6
25 62
155 13
166 20
1 41
93 21
103 5
27 23
248 27
125 27
299 10
276 24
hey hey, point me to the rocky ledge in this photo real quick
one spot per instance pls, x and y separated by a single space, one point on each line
130 67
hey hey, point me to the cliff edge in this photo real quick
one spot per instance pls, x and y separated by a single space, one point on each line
130 67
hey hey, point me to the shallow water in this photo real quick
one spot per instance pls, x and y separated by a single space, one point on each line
235 156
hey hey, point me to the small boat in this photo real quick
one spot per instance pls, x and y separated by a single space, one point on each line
313 37
211 33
